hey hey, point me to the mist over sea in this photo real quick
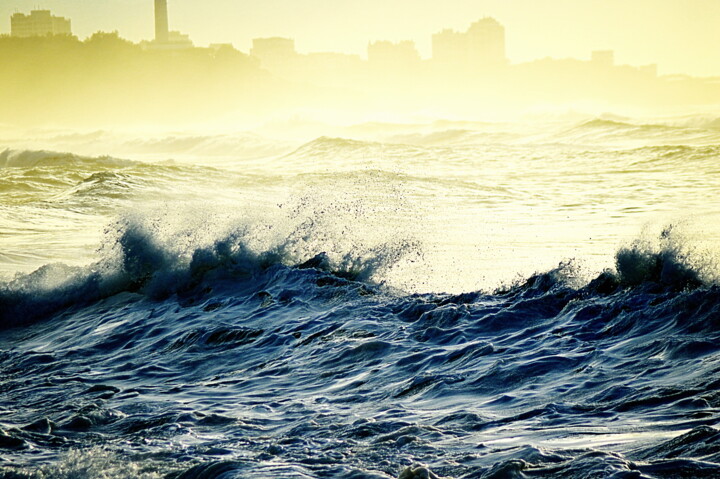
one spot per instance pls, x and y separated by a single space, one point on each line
530 299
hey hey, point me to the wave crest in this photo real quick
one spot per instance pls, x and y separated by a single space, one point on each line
669 260
144 255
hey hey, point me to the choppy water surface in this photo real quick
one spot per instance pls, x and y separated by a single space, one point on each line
482 300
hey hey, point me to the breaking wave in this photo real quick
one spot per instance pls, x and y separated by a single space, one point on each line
307 368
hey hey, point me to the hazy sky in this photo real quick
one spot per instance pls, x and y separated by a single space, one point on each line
681 36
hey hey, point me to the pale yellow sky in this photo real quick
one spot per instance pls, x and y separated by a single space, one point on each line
681 36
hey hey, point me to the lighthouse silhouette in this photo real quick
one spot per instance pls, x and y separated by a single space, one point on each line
161 21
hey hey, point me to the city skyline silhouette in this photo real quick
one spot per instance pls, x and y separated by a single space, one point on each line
168 77
675 35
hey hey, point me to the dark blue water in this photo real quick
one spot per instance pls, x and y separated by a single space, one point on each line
236 364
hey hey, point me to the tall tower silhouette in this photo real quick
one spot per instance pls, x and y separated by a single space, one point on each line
161 21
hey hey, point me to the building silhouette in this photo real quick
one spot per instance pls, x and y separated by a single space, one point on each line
449 47
273 48
161 21
389 55
603 58
166 39
275 53
482 46
38 24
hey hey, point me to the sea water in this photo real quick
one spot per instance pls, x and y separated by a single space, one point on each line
479 300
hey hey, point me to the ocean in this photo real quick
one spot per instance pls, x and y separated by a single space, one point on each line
453 299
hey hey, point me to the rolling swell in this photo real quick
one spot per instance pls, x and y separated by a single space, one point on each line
231 362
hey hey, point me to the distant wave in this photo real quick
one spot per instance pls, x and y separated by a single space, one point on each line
40 175
599 123
326 146
32 159
236 145
604 131
671 155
